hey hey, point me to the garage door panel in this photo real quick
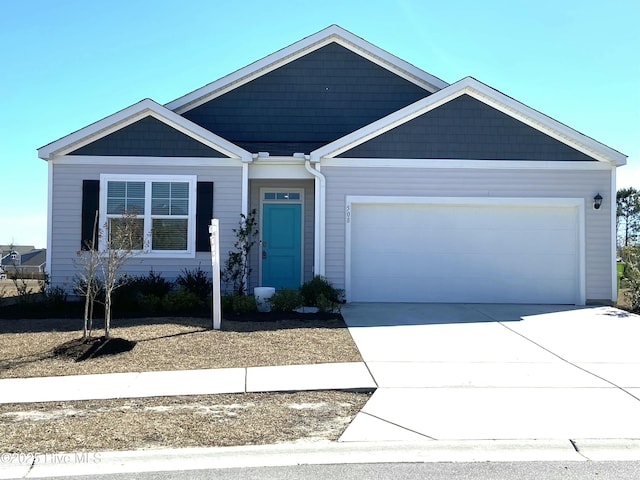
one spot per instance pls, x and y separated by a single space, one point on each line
444 253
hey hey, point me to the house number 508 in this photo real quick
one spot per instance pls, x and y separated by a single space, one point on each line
348 213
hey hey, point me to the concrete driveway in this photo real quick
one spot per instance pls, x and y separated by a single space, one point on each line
462 371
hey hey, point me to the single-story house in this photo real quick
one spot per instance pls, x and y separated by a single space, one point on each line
24 259
392 183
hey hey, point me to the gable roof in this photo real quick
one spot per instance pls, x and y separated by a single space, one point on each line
333 33
472 87
132 114
306 103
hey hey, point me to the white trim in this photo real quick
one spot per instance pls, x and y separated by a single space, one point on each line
300 202
146 161
613 195
577 203
190 252
320 188
298 49
487 95
132 114
260 170
462 164
49 218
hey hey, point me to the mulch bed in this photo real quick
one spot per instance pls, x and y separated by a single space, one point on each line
178 343
27 349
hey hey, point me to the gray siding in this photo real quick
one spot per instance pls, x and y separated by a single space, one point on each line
343 181
306 103
65 227
148 137
467 129
308 223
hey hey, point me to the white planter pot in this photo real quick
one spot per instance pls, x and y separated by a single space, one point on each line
262 295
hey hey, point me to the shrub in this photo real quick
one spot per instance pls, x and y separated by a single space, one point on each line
243 304
149 304
197 282
632 282
236 267
226 303
151 284
55 297
182 300
286 300
137 293
318 292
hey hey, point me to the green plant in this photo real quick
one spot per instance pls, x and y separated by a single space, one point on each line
196 281
236 267
142 293
318 292
183 301
226 303
632 283
24 291
243 304
286 300
55 297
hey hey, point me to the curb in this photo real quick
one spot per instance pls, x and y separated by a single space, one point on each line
316 453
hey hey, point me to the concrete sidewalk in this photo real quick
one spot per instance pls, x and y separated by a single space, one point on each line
325 376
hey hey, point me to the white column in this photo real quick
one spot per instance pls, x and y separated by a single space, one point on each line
214 230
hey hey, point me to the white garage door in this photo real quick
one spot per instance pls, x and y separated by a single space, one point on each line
463 253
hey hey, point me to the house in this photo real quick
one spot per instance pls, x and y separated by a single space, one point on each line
25 259
390 182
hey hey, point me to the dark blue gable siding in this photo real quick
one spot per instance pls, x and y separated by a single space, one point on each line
148 137
466 129
306 103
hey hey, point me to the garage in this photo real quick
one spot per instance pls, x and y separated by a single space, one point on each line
464 250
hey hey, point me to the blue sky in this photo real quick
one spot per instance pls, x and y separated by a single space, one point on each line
68 63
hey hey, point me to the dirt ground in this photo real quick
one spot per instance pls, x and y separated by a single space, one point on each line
26 350
176 422
176 343
8 287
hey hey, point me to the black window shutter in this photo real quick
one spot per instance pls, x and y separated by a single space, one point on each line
90 205
204 214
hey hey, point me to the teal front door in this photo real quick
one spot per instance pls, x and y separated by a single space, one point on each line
281 245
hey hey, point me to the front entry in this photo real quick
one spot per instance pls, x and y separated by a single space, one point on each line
282 245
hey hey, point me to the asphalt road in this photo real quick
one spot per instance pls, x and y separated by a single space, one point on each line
408 471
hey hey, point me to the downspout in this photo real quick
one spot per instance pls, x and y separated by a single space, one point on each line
244 189
244 201
319 205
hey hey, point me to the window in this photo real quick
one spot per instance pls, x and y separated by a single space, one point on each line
162 207
291 196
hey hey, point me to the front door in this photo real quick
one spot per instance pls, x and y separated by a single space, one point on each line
281 245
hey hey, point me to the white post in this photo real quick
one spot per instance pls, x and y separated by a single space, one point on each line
214 230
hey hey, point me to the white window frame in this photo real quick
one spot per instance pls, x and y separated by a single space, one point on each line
148 180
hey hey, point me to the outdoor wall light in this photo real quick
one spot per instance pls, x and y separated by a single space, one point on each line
597 202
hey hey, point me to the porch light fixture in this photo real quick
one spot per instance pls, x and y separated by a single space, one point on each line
597 202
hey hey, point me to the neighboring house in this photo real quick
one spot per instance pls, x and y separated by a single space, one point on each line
392 183
24 258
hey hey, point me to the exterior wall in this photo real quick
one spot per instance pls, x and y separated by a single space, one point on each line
306 103
465 182
466 129
148 137
65 225
308 223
